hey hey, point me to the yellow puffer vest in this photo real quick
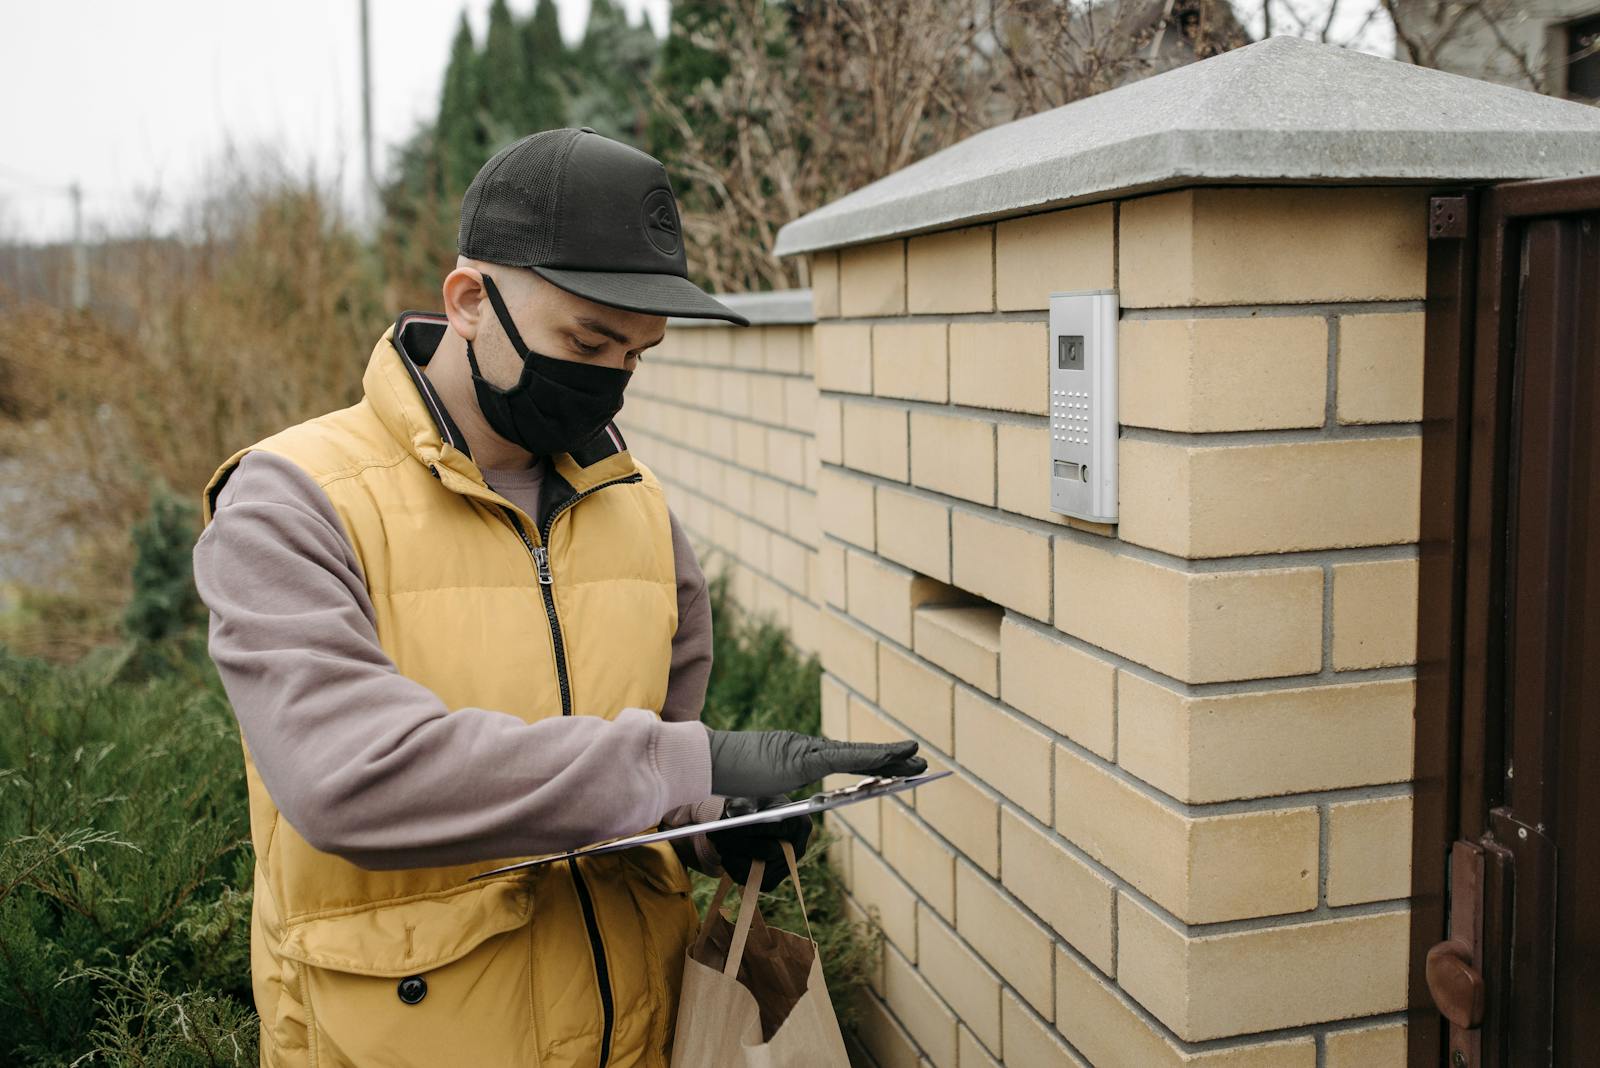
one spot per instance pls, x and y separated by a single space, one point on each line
566 964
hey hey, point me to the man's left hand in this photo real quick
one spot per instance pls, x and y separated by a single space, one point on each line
738 846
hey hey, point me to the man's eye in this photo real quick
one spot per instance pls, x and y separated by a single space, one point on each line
587 350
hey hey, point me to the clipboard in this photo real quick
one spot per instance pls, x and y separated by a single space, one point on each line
864 790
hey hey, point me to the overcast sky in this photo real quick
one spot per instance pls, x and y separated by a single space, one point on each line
128 96
122 95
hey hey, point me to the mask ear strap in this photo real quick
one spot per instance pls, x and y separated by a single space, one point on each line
504 316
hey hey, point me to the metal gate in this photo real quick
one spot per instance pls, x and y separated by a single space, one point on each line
1505 935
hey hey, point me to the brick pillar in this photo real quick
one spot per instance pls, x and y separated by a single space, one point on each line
1179 826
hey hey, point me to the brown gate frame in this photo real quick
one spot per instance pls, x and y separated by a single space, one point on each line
1468 348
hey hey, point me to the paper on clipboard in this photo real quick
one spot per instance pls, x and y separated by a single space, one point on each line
865 790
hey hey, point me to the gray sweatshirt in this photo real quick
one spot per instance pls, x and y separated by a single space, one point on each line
372 766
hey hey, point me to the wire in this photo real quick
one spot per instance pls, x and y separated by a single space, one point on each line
29 180
23 178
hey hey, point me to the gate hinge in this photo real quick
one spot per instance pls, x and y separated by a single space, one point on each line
1447 217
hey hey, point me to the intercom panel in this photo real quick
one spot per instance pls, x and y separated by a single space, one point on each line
1083 404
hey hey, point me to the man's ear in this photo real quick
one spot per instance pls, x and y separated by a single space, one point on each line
464 302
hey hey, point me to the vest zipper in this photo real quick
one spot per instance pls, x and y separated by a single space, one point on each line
541 563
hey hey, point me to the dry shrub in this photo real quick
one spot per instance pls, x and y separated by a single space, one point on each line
831 95
1485 38
261 315
1053 53
835 97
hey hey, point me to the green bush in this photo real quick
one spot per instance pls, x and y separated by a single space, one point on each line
163 627
125 861
124 874
164 602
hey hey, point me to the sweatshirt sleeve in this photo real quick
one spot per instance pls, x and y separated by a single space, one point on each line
371 765
686 690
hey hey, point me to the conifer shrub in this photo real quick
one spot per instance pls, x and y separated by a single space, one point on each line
165 602
164 624
125 871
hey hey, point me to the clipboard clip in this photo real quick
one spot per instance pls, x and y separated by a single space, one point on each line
860 787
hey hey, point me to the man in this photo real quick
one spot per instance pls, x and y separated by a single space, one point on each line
459 625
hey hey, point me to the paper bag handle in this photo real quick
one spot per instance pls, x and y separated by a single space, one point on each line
794 877
747 908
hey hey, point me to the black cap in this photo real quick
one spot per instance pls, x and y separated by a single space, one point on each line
589 214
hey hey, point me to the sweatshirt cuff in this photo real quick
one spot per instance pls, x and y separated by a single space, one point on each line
706 857
709 809
705 854
683 760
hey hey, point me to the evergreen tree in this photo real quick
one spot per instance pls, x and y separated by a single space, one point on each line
543 34
463 137
611 64
548 64
507 82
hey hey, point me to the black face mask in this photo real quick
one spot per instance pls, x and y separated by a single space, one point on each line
556 405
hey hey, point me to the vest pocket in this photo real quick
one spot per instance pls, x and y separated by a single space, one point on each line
473 1010
406 935
439 978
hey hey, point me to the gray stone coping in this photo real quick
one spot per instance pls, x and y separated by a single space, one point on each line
1281 111
771 308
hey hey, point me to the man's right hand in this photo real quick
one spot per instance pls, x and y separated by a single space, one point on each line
762 763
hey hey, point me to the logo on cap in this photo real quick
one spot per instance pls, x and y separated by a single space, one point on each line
660 221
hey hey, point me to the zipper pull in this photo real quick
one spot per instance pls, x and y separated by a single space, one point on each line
541 559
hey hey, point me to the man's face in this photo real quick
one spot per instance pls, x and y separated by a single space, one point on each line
552 322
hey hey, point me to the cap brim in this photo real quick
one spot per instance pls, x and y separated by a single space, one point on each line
658 294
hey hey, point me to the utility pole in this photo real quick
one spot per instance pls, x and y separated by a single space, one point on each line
80 256
369 191
1155 42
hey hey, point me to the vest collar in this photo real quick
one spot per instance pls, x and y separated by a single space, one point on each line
408 405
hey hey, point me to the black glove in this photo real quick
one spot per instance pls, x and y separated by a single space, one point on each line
738 846
764 763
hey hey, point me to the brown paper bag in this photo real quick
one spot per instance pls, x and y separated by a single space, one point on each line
753 996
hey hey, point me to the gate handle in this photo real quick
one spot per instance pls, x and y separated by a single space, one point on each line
1456 986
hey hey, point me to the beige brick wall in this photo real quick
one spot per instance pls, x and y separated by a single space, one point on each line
1178 831
729 419
1178 828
